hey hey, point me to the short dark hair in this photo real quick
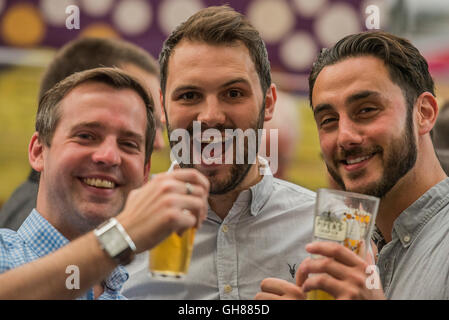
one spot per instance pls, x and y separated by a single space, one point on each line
405 64
89 53
48 113
219 25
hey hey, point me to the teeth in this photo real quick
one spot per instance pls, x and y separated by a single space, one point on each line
213 140
357 160
99 183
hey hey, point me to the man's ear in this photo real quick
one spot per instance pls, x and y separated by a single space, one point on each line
270 102
161 98
146 171
426 112
36 153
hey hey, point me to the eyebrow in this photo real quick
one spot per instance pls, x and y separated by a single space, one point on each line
321 108
351 99
100 126
361 95
234 81
226 84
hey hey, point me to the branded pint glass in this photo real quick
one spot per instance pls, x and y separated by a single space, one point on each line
346 218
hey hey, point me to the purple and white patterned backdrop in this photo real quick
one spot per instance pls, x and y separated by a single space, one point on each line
294 30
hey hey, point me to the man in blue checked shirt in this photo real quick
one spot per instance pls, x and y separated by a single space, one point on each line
92 145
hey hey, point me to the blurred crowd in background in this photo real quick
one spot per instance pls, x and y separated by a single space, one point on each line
294 31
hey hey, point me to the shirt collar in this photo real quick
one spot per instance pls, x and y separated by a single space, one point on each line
262 191
411 221
257 195
40 235
44 239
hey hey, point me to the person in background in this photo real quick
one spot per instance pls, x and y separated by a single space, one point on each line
215 71
79 55
441 137
286 120
374 104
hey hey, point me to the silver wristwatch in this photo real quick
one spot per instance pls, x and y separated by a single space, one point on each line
115 241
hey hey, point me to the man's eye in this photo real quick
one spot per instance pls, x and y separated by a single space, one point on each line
189 96
234 93
130 144
327 121
85 136
367 112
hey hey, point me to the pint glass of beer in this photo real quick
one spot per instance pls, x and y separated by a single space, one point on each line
344 217
171 258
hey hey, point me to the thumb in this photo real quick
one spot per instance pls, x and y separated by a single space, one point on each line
366 252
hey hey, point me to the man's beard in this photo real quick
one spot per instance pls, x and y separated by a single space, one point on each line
400 161
237 172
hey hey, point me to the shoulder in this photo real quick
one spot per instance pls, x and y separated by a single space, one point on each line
282 187
287 198
9 243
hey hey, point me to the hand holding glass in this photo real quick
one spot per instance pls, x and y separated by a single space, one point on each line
343 217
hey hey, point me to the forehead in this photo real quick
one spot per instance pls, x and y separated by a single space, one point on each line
201 62
95 101
350 76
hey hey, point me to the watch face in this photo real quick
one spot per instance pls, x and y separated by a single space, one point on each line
113 242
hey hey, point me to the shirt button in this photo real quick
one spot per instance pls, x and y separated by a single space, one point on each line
407 238
225 228
227 288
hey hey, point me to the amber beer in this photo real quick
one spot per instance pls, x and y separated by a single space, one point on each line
171 258
343 217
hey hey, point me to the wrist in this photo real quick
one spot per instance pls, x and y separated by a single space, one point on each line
115 241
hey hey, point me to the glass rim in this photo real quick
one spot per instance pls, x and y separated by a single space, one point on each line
349 193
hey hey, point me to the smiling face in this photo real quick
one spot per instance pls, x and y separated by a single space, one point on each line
217 85
366 132
96 157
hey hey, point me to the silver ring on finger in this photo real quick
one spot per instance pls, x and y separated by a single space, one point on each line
189 188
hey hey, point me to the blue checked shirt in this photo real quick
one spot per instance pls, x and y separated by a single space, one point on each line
35 239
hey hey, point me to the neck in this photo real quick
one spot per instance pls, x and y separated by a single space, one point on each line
221 204
426 173
50 211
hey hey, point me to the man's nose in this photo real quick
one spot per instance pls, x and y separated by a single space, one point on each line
211 113
349 134
107 153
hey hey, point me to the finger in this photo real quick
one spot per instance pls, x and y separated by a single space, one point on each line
192 176
197 207
170 184
329 266
183 176
273 285
366 252
324 282
267 296
184 220
301 273
336 251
